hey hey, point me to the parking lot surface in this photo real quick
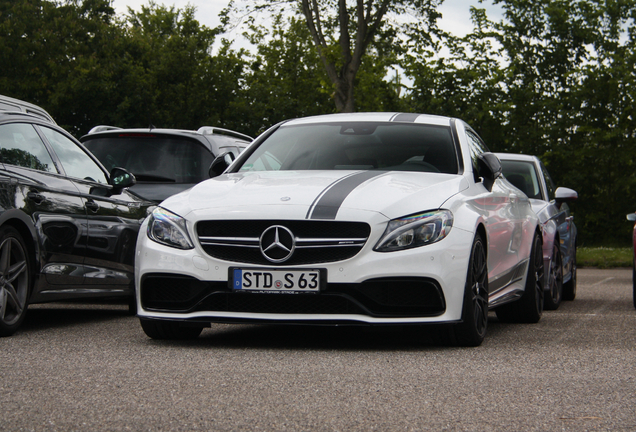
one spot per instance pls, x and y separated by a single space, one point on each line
90 367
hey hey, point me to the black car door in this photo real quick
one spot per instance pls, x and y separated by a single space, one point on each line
50 199
112 222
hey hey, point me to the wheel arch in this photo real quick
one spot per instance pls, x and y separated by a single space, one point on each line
23 224
481 231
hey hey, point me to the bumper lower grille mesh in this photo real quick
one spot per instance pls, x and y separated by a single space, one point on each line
395 297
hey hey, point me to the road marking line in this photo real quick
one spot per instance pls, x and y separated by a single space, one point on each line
603 281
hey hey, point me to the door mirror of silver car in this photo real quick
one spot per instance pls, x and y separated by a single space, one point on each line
120 179
631 217
563 194
220 164
489 167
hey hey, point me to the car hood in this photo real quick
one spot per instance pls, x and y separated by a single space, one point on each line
316 194
158 192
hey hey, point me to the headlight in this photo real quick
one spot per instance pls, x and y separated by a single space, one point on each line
415 230
168 229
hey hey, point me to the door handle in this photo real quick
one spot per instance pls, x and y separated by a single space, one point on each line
36 197
92 206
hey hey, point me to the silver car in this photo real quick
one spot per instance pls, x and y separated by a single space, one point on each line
528 174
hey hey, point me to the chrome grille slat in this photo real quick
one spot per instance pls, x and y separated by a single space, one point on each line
315 241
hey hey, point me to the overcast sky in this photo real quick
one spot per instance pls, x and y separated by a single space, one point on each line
456 13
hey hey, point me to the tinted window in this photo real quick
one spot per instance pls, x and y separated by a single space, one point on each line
548 183
477 147
21 145
523 175
154 158
356 146
74 160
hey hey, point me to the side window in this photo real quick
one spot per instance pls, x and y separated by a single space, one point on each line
477 147
74 160
548 183
21 145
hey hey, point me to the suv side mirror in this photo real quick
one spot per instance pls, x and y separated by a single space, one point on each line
120 179
220 164
489 168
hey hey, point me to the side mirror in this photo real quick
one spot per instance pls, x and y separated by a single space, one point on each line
631 217
489 168
220 164
563 194
121 178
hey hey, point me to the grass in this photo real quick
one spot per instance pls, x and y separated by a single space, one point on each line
604 257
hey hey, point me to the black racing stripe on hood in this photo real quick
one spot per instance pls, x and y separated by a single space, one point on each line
329 203
405 117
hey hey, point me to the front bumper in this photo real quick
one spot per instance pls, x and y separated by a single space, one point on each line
420 285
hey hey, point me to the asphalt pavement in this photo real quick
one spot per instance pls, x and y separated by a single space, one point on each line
91 367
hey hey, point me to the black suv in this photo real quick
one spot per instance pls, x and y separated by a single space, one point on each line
164 161
68 228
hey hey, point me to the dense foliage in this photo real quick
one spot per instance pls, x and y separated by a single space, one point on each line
555 78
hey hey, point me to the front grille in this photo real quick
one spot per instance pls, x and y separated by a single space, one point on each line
394 297
315 241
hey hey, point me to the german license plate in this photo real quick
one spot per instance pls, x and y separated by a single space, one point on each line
277 281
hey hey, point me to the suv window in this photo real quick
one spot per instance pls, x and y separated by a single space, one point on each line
21 145
74 160
152 157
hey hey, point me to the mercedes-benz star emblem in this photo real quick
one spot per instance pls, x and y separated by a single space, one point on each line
277 243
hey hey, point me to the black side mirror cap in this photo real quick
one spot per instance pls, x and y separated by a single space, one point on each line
220 164
489 167
120 179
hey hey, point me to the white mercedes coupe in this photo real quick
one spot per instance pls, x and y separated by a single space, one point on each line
366 218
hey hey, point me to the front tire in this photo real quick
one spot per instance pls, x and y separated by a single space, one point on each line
569 288
169 330
472 330
529 308
555 291
15 280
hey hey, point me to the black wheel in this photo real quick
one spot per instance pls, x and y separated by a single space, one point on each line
472 330
569 287
169 330
529 308
15 280
554 295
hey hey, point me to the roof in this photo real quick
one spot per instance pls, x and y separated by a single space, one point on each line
516 157
374 117
9 104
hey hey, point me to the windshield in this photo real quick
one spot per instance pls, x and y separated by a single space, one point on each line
356 146
154 158
523 176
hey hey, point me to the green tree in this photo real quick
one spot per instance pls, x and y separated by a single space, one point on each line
343 32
